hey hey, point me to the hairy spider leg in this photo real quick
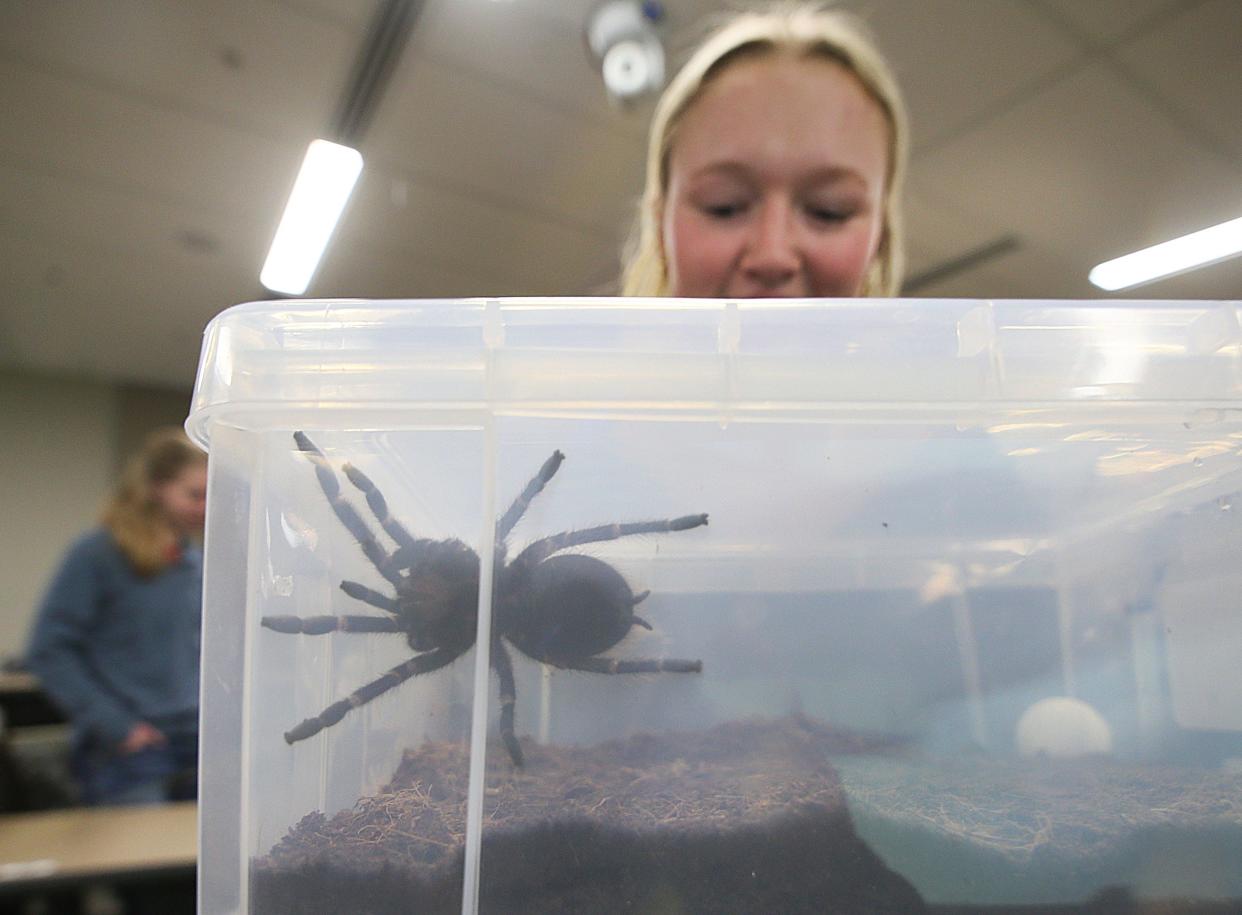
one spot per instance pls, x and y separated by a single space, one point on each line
541 549
321 625
503 664
419 664
368 596
637 666
510 518
379 506
346 512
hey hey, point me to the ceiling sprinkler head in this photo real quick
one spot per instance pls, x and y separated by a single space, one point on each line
622 38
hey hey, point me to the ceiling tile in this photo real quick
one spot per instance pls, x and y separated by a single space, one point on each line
1082 186
81 213
361 271
957 60
517 251
251 64
1106 20
353 14
938 229
476 136
529 50
84 310
1195 62
59 123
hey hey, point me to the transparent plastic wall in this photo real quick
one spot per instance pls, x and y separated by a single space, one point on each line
960 628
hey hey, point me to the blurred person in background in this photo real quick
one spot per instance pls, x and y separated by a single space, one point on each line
116 640
774 165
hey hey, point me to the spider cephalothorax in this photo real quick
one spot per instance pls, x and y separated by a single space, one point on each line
558 608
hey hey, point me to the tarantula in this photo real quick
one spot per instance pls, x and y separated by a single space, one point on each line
563 609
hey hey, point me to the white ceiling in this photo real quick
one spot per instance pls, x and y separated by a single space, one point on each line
147 147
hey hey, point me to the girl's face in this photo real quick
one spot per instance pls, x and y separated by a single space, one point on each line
184 498
776 183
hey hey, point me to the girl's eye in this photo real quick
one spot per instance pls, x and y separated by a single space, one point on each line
724 210
828 214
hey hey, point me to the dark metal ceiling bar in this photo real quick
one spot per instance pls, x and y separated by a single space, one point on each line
377 58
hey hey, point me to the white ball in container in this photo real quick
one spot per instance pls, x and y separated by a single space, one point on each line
1063 728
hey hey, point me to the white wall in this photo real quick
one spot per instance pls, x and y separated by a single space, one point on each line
57 459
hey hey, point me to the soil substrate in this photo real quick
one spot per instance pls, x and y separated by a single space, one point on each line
748 817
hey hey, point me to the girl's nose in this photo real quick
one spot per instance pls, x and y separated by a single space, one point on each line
771 258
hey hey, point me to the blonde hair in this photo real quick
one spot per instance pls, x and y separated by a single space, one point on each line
798 29
133 515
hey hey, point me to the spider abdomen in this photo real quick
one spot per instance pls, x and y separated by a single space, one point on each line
578 606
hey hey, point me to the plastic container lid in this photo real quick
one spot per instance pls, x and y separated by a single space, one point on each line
295 360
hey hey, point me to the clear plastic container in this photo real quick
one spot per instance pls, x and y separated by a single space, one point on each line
961 626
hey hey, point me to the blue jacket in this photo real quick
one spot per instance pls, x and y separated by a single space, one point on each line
113 648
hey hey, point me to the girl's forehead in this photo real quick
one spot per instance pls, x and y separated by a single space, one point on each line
778 107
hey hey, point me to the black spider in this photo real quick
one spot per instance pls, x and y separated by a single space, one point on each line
563 610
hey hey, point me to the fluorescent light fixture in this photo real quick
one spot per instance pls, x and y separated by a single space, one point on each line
320 193
1177 256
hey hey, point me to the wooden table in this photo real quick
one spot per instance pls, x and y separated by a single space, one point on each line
17 681
89 843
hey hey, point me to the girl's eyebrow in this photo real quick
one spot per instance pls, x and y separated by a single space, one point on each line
836 174
739 169
726 167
